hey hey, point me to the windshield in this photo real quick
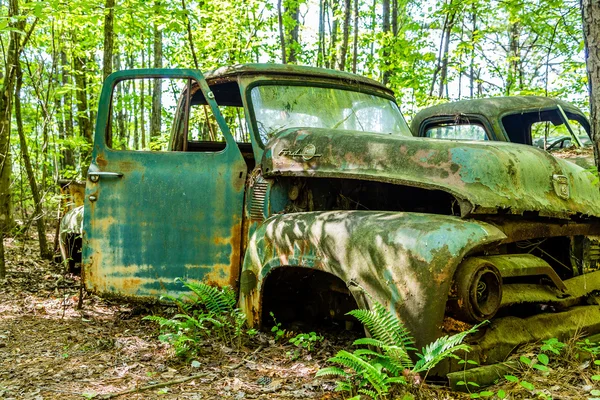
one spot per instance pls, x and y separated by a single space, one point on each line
278 107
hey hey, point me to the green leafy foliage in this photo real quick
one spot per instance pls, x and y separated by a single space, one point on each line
306 341
372 371
552 345
206 312
277 330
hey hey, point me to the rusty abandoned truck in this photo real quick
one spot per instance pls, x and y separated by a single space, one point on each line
550 124
299 186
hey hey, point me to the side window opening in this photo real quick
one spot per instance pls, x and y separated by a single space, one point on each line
203 126
153 115
555 136
461 128
143 113
203 133
461 132
544 129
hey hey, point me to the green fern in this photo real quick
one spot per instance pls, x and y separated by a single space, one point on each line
443 348
371 371
205 312
332 371
216 300
384 326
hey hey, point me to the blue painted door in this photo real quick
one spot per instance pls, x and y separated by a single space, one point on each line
151 217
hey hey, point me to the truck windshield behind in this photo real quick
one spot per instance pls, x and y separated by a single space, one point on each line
278 107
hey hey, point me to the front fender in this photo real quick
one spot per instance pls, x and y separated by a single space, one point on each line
405 261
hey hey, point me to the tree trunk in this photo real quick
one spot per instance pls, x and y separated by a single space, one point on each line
590 11
472 62
122 91
513 57
109 14
155 127
281 31
345 34
292 8
188 26
64 117
386 51
373 26
355 38
37 201
6 93
395 17
333 34
445 52
143 102
321 50
83 120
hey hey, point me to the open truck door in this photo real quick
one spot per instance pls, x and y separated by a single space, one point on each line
153 210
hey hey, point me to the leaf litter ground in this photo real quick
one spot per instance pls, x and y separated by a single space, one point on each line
51 350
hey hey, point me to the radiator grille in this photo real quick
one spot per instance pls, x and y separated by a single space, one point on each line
257 202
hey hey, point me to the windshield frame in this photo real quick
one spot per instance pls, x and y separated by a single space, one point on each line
308 83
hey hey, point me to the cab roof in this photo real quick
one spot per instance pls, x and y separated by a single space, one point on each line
494 108
278 70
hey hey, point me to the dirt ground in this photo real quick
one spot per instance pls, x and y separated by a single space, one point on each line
51 350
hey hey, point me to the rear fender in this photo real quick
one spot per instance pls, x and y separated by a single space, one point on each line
405 261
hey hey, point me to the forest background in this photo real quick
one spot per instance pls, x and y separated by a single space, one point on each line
56 54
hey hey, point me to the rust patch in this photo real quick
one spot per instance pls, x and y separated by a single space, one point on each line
101 161
131 284
236 255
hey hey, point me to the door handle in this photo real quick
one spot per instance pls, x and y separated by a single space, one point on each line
95 175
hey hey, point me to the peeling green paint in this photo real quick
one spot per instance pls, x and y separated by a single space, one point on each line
402 259
488 176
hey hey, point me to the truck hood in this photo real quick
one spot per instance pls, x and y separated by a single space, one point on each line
485 177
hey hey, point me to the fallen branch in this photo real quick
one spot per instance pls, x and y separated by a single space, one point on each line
149 387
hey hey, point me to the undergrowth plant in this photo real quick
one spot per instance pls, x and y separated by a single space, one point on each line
205 312
373 371
304 342
542 369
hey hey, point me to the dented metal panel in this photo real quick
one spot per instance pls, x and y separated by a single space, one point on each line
485 178
405 260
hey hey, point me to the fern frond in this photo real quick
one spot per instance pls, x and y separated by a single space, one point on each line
442 348
398 355
389 366
180 302
366 352
332 371
397 379
216 300
368 392
348 360
342 386
155 318
369 342
164 322
372 373
384 326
